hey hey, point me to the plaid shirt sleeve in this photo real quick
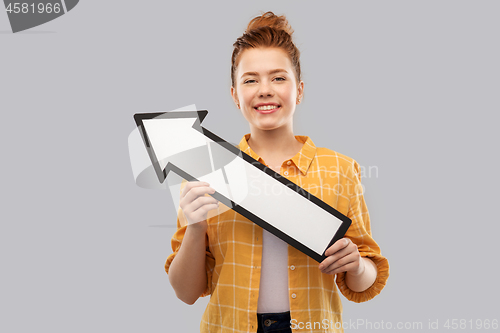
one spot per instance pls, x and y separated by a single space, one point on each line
176 245
360 234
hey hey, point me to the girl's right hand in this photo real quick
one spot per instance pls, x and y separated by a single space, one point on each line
195 203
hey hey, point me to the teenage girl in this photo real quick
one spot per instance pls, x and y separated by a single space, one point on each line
256 281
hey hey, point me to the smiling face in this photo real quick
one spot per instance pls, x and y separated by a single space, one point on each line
266 88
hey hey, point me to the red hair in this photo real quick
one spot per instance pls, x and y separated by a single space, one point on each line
267 30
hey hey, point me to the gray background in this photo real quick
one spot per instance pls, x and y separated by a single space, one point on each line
408 87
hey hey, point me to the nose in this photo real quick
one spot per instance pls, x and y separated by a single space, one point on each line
265 89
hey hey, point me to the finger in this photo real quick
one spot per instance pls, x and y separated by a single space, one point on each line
196 192
191 185
199 202
203 210
350 248
352 258
338 255
201 213
341 252
345 268
338 245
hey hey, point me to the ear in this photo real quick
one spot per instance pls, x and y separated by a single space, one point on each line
234 95
300 92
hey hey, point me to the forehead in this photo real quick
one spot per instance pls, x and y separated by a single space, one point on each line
261 60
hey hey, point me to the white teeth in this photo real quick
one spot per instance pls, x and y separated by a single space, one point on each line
267 107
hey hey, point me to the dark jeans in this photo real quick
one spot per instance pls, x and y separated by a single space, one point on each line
274 322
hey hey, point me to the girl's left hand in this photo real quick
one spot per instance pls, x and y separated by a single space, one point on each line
343 256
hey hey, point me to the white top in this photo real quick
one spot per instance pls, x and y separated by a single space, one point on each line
273 292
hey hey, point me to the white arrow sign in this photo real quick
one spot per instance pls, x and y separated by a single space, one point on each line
175 141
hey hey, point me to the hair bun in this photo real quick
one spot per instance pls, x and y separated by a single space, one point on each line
269 19
266 30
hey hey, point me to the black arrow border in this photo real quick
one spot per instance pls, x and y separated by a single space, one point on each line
200 115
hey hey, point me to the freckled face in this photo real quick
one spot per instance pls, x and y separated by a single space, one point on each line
266 88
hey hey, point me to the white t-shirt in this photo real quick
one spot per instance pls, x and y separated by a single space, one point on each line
273 291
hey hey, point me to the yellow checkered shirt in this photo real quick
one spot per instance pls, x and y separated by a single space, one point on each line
234 250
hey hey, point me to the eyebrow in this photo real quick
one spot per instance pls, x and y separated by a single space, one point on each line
273 71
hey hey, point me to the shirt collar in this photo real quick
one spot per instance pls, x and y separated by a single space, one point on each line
302 159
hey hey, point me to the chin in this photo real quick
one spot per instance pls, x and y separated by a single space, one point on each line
267 127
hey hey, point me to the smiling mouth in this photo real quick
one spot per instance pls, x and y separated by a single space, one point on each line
267 108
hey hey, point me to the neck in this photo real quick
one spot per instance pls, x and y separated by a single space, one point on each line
277 142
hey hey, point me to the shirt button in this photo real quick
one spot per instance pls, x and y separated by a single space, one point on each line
286 173
292 267
289 162
294 295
